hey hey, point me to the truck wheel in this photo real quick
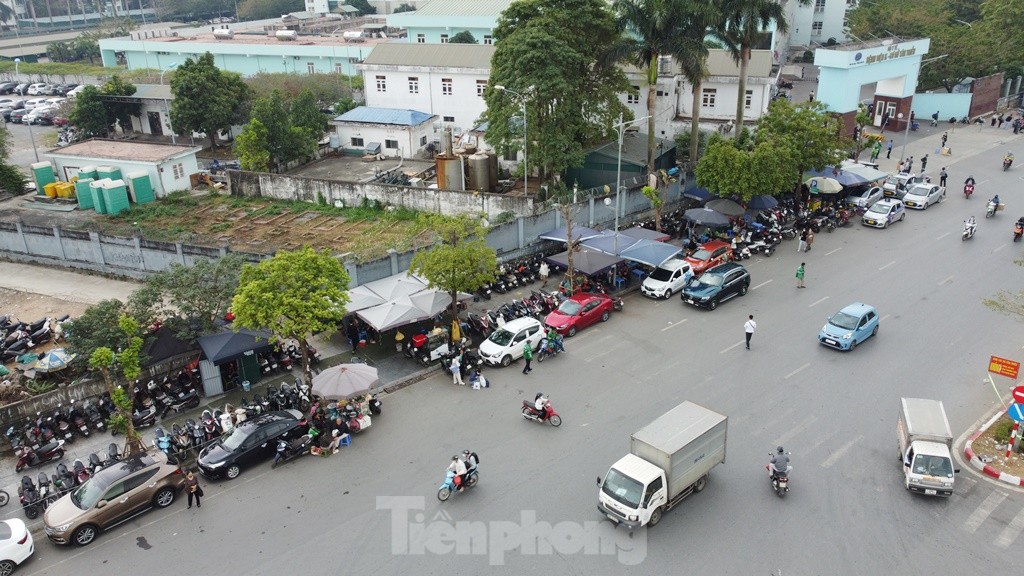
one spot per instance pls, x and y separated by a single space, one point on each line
701 483
655 516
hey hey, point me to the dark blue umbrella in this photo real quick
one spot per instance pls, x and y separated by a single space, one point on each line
762 202
844 177
700 194
706 217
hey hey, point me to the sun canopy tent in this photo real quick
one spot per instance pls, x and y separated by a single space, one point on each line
844 177
407 309
872 174
610 243
396 286
230 345
361 298
578 233
641 233
650 252
585 261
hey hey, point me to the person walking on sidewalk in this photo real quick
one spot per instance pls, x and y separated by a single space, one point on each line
748 328
945 136
800 276
924 162
942 177
888 150
810 239
352 331
528 356
194 489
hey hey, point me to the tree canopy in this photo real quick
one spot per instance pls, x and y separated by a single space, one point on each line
807 131
294 294
127 362
293 128
464 37
206 99
725 170
253 147
118 110
559 55
741 30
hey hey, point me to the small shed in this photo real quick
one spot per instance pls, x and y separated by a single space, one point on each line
229 358
403 132
602 162
169 166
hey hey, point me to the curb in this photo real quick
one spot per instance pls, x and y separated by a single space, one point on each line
977 462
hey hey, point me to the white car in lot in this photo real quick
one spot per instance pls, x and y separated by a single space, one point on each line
921 196
507 342
16 545
865 198
884 212
36 89
896 185
33 103
667 279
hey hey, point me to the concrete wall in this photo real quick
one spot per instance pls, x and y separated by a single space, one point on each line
955 105
986 94
283 187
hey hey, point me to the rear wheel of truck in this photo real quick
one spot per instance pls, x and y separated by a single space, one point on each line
701 483
655 516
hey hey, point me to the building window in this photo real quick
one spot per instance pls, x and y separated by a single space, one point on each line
357 142
414 85
310 68
708 96
446 86
423 140
819 5
179 170
488 40
633 96
481 85
421 38
444 38
448 118
382 84
339 68
391 144
749 99
816 28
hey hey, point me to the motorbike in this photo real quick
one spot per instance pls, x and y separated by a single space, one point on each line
990 209
47 493
968 190
162 441
93 413
95 463
548 414
63 424
63 479
79 421
211 429
28 494
81 472
1018 230
450 484
779 478
113 454
290 450
548 347
29 458
1007 162
968 232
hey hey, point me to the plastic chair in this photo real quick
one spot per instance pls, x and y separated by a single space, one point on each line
620 282
346 439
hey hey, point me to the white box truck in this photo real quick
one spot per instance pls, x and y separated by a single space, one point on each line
668 460
925 439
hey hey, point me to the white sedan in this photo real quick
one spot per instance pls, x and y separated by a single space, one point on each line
16 545
883 213
921 196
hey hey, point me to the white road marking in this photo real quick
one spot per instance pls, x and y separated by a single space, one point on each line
983 510
944 235
1000 248
821 440
761 284
887 265
674 325
1012 530
792 432
598 355
840 452
886 317
833 252
731 347
816 302
794 372
946 280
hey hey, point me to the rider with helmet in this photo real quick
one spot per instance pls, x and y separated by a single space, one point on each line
459 468
780 462
471 461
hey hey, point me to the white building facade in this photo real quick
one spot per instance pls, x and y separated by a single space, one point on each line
817 22
388 131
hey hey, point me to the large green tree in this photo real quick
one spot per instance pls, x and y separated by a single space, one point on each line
262 9
253 147
742 28
125 362
561 56
206 99
293 128
461 261
294 294
89 115
726 170
304 113
11 178
464 37
808 133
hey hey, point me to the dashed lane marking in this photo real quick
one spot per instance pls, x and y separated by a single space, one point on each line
816 302
683 321
731 347
762 284
834 251
840 452
795 372
981 513
946 280
794 431
944 235
887 265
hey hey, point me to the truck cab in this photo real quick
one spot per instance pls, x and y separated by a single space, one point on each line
631 490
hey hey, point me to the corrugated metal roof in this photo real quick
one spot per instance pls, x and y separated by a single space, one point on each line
447 55
395 116
464 8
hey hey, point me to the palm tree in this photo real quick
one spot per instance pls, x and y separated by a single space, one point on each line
699 18
651 28
742 28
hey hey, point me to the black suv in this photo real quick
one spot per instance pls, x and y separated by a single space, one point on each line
717 285
249 442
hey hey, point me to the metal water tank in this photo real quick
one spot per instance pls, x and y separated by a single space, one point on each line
449 173
223 34
492 169
479 179
286 35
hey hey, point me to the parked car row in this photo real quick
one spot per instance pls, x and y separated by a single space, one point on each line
37 89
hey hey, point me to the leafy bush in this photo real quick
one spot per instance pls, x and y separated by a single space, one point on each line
1001 431
37 387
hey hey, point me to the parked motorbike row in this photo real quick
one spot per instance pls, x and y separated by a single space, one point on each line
282 359
35 497
64 424
512 275
17 337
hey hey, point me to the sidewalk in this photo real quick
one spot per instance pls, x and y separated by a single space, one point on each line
989 467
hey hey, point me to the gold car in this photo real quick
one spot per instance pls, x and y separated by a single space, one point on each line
113 495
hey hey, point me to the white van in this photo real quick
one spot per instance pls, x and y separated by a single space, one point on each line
667 279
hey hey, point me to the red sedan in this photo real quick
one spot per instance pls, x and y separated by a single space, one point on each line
578 312
708 255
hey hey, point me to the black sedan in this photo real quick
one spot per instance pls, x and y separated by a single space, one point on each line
250 442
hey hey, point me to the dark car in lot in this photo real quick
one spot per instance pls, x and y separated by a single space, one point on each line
8 87
249 443
716 285
17 115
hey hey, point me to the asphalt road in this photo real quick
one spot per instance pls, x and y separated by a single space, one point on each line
847 512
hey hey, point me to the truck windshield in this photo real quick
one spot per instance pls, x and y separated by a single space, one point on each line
933 466
622 488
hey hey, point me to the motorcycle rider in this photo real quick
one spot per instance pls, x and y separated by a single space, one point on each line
555 340
540 403
1008 159
471 461
970 225
969 182
993 205
780 462
459 468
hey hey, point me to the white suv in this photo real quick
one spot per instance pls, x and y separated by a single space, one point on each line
667 279
36 89
506 343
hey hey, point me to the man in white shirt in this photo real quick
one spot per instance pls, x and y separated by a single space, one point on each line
749 326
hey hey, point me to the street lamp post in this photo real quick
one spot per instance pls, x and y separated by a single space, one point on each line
170 66
526 166
620 128
16 62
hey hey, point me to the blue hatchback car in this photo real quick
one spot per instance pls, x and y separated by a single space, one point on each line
850 326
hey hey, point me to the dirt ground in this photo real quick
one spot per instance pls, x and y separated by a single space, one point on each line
30 307
994 453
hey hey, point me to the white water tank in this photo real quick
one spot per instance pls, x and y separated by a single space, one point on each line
286 35
223 34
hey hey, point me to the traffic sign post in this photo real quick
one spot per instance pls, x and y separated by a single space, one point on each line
1018 394
1015 411
1003 367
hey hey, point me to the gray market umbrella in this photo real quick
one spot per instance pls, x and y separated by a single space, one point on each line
824 185
706 217
762 202
345 381
726 206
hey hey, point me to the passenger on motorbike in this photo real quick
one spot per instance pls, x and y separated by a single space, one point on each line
780 462
555 340
471 461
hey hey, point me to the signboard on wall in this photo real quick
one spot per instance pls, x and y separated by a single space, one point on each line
888 52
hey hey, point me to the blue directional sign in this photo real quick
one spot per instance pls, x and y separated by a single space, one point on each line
1016 411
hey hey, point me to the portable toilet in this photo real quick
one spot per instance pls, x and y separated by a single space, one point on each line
96 190
111 172
115 196
140 188
87 172
83 193
42 173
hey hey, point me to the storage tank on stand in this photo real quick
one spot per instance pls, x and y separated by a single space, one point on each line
492 169
449 166
479 178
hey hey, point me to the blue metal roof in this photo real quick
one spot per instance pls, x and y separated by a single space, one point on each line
368 115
